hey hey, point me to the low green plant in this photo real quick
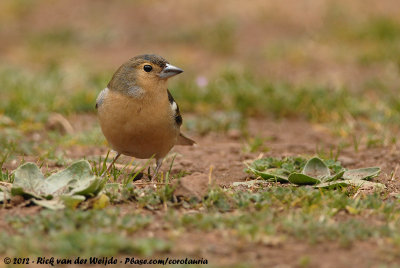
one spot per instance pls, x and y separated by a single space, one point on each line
66 188
317 172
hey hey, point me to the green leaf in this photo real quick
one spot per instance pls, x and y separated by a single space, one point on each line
316 168
362 173
367 184
332 184
54 204
302 179
334 177
76 179
89 186
357 183
272 174
62 182
289 164
66 188
28 181
65 201
334 166
312 172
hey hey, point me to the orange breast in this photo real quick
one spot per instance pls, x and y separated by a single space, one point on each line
138 127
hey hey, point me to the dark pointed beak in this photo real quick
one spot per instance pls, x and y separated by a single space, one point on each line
169 71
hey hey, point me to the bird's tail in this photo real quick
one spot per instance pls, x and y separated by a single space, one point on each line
183 140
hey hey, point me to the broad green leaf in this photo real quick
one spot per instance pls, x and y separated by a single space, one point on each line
89 187
28 181
76 179
62 182
334 177
312 172
316 168
272 174
302 179
290 164
366 184
361 174
332 184
60 202
357 183
66 188
54 204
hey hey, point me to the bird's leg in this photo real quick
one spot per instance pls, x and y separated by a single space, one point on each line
112 163
159 163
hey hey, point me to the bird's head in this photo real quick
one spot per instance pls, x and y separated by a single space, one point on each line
144 73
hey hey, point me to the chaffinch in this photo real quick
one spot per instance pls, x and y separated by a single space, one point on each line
137 113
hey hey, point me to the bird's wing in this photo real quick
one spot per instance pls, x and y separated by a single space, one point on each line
182 139
175 109
101 96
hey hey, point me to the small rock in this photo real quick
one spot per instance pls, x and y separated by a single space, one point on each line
194 185
186 163
234 134
234 150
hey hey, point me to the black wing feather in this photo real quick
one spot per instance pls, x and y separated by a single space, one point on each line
178 117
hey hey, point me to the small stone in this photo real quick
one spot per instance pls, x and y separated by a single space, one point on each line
194 185
234 134
186 163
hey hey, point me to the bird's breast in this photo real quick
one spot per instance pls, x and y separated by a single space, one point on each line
138 127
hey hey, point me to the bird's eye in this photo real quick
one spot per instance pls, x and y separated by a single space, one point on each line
147 68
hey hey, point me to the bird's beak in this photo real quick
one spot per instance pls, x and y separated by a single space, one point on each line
169 71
